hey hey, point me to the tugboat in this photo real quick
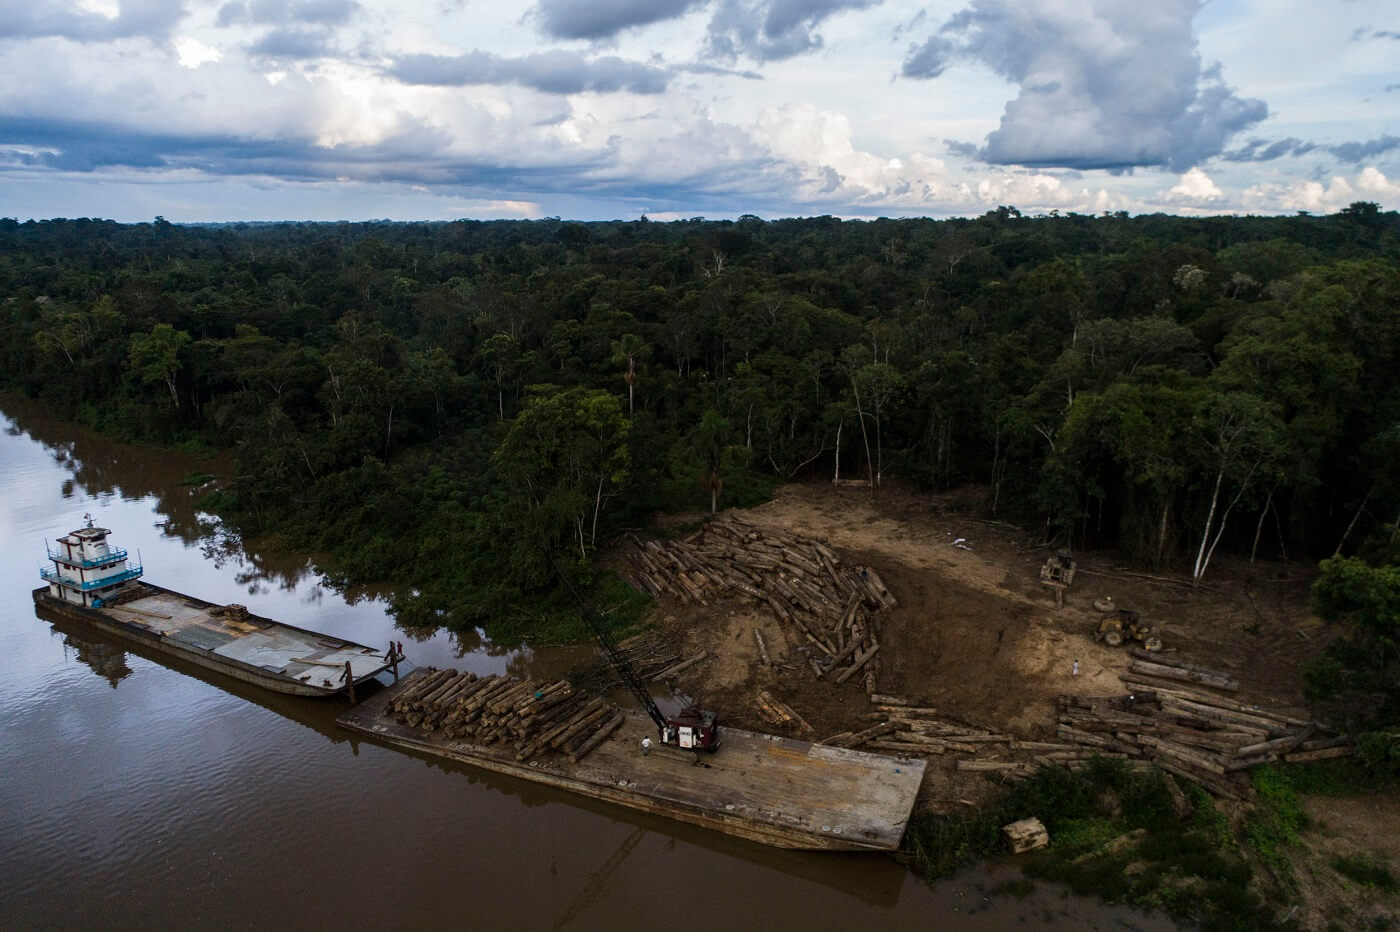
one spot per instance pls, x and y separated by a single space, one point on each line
95 583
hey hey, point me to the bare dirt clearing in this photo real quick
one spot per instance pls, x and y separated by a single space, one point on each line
975 634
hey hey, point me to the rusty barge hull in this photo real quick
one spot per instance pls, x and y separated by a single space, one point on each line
765 788
253 649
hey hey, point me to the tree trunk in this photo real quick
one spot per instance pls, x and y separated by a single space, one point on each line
865 436
1162 535
1259 528
597 507
1205 536
1359 508
836 476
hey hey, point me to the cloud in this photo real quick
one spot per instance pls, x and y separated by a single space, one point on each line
1359 151
703 68
1370 185
771 30
73 19
1366 32
192 53
292 44
1103 83
1260 150
603 19
281 12
967 150
1195 185
554 72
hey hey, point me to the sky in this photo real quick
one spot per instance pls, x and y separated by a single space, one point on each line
234 110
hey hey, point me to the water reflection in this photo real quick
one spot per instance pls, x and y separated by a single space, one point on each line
105 659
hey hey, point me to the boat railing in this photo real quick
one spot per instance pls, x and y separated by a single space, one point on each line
112 556
56 577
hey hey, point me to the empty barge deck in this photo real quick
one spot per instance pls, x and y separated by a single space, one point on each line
774 790
248 647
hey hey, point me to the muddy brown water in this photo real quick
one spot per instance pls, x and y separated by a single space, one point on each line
143 793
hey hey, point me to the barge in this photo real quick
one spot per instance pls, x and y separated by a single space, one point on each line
93 582
766 788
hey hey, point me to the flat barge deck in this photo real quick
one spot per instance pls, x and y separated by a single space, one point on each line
247 647
769 789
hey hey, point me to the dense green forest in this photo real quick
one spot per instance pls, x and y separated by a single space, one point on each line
436 402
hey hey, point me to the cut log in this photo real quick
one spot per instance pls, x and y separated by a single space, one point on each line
598 737
879 699
861 660
988 766
1213 680
860 737
762 647
1303 757
681 667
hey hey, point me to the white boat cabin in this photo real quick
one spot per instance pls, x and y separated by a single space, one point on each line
86 569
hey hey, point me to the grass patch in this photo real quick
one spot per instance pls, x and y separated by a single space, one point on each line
1190 869
1274 824
1367 871
197 478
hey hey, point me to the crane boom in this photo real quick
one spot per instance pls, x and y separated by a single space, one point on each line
691 729
610 648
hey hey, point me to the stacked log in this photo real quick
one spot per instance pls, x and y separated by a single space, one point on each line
531 716
1207 739
918 731
830 605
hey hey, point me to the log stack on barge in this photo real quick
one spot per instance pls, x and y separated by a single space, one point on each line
93 582
774 790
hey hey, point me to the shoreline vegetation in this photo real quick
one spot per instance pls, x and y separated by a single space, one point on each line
438 404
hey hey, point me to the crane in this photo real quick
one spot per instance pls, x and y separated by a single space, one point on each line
691 728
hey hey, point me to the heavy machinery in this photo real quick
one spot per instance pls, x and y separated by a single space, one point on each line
691 728
1120 624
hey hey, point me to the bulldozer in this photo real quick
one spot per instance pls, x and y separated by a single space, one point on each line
1121 624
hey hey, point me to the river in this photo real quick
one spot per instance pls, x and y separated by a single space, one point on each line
137 793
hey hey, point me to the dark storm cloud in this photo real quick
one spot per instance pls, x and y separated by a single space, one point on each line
771 30
25 19
555 72
1103 84
281 12
603 19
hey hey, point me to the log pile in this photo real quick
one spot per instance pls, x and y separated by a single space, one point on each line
919 731
1211 740
829 605
531 716
1207 739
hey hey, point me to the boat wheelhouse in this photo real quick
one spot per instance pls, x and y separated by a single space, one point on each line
86 569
